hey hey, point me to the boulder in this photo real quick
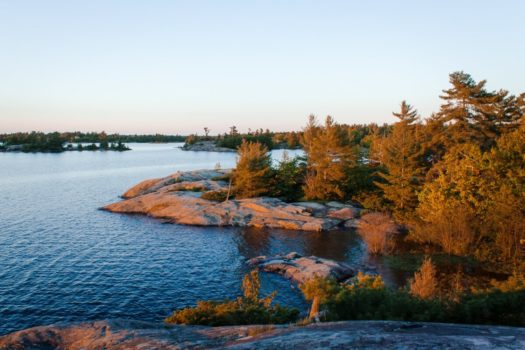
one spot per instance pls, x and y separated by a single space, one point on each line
300 269
344 213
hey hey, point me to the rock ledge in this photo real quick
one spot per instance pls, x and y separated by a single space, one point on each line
135 335
177 198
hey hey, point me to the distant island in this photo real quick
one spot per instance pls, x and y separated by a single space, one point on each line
230 141
56 142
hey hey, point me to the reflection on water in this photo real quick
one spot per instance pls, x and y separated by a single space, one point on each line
64 260
338 245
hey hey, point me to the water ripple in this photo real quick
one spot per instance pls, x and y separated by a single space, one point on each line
63 260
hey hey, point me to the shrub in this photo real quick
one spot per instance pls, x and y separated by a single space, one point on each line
367 298
378 231
493 307
424 285
225 177
217 195
514 283
289 178
248 309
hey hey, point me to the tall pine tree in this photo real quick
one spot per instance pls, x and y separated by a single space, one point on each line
328 158
402 158
252 175
473 114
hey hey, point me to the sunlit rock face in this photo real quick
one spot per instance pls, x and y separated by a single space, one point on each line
300 269
135 335
177 198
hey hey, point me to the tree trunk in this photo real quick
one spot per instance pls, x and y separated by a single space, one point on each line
314 311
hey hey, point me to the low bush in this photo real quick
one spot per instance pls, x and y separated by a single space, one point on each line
424 285
367 298
379 231
248 309
217 195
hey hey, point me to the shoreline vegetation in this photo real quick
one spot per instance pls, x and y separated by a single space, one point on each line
447 190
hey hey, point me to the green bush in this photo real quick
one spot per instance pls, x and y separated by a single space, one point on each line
368 299
494 307
288 179
248 309
236 312
217 195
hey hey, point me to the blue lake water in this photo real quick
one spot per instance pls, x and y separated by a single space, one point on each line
62 259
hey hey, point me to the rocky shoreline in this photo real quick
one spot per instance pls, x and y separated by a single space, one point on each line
135 335
178 199
299 268
205 146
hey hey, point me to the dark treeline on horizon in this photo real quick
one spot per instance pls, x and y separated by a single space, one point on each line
359 133
58 142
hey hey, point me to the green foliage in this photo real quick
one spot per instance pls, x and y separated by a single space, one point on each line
218 195
367 298
54 142
248 309
495 307
318 287
288 179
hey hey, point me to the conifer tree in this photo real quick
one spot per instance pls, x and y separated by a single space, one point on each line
252 174
473 114
309 133
401 156
328 158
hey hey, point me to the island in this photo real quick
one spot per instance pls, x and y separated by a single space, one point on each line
189 198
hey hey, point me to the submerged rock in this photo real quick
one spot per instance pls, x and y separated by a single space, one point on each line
300 269
135 335
178 198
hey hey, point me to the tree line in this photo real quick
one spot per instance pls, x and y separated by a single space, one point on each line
454 180
59 142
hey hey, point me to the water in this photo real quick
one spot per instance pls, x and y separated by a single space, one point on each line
62 260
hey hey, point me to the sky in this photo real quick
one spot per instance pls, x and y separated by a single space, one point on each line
174 67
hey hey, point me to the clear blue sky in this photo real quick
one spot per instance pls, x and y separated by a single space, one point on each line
177 66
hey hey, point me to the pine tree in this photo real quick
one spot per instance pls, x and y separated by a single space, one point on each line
402 158
473 114
252 175
328 158
309 133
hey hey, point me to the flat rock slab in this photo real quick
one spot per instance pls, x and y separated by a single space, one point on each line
177 198
137 335
300 269
206 146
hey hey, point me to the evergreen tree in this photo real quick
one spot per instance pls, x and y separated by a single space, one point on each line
252 175
402 157
289 179
309 133
453 204
473 114
328 158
